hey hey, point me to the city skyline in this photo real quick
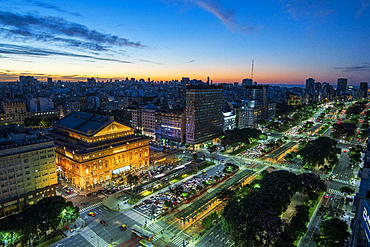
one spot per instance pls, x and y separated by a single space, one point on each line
289 41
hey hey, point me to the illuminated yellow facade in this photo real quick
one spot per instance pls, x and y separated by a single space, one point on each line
92 149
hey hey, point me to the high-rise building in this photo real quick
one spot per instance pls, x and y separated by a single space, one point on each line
259 94
363 88
92 149
317 86
50 80
310 85
203 113
341 86
27 168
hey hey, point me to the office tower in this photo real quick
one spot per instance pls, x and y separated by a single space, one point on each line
363 89
27 83
92 149
317 86
27 168
310 85
259 94
203 113
247 82
341 86
325 87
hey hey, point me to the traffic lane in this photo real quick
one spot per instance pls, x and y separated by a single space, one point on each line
89 200
76 240
217 236
113 231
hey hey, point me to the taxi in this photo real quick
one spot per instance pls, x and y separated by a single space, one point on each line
92 214
124 227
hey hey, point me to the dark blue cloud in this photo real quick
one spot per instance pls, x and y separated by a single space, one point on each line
349 69
58 26
41 52
50 6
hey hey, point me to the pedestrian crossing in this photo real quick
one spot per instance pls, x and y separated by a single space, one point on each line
154 228
70 196
178 241
136 216
341 181
90 207
337 192
93 238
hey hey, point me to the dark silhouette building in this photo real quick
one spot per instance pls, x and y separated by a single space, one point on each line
203 113
310 85
341 85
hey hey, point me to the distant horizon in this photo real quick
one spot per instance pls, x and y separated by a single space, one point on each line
286 84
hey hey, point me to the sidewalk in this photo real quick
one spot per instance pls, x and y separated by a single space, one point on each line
75 227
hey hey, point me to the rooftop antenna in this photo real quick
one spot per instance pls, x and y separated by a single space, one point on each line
252 69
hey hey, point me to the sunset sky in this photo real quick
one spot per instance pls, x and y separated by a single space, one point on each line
289 40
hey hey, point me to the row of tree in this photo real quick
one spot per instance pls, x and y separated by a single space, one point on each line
254 218
322 152
35 220
238 137
39 122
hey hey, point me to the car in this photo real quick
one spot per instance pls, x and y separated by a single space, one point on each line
68 192
83 203
92 214
326 196
88 194
103 222
124 227
329 179
342 200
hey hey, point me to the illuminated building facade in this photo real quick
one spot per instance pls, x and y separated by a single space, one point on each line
92 149
170 125
27 168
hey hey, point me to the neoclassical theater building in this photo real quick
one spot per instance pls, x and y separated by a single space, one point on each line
92 149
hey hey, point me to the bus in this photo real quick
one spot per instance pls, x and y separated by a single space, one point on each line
142 233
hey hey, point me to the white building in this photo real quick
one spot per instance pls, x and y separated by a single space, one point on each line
229 120
41 104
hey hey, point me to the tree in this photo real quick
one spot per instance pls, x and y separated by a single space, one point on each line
346 190
225 195
132 180
333 233
330 212
195 157
207 222
311 182
168 203
298 222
